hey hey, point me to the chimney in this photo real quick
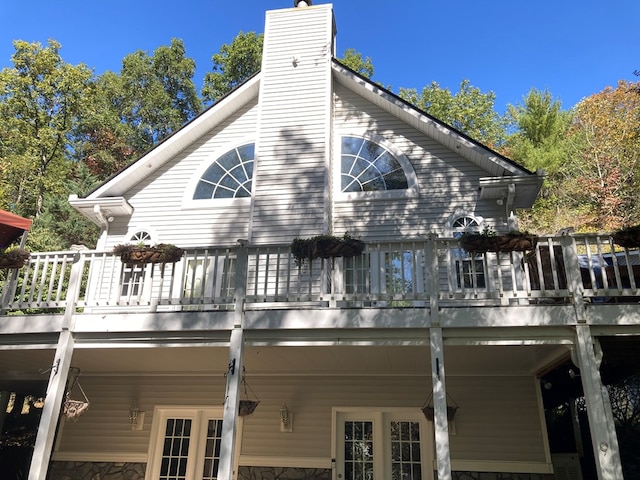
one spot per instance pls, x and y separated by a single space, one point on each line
294 134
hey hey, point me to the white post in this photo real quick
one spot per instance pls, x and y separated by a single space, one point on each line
231 403
603 435
51 410
440 421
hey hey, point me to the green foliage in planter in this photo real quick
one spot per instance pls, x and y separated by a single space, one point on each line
325 246
141 254
628 237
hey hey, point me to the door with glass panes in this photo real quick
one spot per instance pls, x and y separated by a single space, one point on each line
381 445
185 444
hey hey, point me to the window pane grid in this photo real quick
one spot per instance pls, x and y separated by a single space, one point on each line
212 450
370 167
230 176
358 450
176 449
405 451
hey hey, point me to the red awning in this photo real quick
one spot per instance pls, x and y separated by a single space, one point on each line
11 228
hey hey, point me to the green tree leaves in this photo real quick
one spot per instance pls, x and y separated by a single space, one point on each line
232 65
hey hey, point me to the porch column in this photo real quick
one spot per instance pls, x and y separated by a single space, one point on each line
231 404
440 421
235 369
51 410
603 433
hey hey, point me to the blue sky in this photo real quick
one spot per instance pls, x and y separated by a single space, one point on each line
573 48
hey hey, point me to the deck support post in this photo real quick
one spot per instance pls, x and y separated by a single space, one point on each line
51 410
603 433
231 404
440 421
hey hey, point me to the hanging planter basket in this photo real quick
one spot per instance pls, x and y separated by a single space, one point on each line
509 242
325 246
15 258
72 409
142 254
247 406
428 409
628 237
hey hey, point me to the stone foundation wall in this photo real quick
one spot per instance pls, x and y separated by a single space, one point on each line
500 476
96 471
283 473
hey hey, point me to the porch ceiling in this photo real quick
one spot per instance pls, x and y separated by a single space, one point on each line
290 360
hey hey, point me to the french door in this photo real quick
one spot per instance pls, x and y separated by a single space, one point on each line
185 444
377 445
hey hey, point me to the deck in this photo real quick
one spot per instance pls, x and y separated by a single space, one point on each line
432 275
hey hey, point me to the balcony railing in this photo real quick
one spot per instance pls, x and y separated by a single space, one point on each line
415 274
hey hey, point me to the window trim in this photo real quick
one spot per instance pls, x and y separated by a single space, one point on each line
412 190
189 203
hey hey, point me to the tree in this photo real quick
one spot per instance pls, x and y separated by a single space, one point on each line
468 110
232 65
41 97
606 168
355 62
152 96
539 141
157 93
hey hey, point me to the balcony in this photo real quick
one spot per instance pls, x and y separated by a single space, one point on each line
431 273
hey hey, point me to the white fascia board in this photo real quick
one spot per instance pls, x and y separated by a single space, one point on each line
179 140
464 146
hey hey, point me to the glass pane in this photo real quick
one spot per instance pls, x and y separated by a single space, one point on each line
175 453
246 152
358 448
351 145
204 190
229 160
212 449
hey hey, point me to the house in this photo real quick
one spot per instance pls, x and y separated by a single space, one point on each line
412 359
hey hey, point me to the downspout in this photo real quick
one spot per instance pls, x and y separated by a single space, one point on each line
512 220
104 226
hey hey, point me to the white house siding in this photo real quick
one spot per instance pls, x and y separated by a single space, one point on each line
159 202
292 149
498 417
447 182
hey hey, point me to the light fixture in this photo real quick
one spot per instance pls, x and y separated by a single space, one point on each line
136 417
286 419
301 3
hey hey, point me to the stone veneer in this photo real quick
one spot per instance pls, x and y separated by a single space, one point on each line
283 473
96 471
500 476
136 471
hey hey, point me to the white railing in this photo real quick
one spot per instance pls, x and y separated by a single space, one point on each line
411 274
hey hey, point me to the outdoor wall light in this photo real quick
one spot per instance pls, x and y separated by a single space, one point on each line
301 3
286 419
136 417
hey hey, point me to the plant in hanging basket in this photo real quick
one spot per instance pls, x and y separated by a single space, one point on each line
15 258
325 246
628 237
489 241
141 254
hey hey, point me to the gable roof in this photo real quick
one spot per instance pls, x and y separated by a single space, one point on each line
502 170
506 179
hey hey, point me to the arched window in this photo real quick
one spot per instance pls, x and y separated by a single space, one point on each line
230 176
141 236
367 166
